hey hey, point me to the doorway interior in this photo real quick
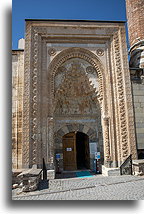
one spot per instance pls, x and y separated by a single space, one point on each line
82 151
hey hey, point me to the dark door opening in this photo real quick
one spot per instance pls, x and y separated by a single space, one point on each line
82 148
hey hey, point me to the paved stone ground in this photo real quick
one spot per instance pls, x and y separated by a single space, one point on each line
92 188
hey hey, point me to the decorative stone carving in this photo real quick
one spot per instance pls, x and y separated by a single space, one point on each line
121 99
100 52
26 104
52 52
93 77
91 70
77 53
75 95
106 139
59 77
128 100
34 99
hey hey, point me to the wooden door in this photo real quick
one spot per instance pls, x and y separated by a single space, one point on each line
69 151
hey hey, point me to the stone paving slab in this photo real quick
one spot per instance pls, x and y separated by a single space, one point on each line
64 184
97 188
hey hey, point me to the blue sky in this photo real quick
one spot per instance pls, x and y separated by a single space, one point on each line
63 9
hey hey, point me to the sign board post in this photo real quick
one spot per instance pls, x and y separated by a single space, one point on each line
97 157
57 159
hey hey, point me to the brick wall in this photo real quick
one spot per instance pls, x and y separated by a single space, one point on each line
135 16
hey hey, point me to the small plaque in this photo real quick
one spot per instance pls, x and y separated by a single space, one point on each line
68 149
58 156
93 147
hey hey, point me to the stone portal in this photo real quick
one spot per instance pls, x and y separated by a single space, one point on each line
76 80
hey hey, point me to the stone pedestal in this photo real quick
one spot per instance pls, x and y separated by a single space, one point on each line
50 174
110 171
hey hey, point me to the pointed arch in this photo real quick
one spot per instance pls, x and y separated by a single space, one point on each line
81 53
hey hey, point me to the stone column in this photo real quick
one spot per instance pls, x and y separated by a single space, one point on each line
50 142
106 139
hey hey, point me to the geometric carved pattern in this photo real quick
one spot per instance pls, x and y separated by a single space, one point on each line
26 103
130 113
34 100
121 99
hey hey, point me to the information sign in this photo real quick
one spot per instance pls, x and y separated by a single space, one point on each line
68 149
57 156
97 155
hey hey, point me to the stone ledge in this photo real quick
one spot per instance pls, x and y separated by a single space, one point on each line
110 171
137 162
30 172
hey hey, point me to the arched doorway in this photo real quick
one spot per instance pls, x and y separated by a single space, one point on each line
76 151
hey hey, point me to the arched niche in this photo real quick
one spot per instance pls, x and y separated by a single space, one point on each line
80 53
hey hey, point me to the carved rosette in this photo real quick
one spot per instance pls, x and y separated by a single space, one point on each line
121 99
100 52
52 51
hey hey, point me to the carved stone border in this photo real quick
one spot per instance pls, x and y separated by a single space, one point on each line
123 98
128 98
26 100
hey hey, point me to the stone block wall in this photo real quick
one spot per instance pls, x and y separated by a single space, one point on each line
138 99
17 105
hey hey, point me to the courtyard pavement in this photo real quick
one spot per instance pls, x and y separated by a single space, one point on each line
97 187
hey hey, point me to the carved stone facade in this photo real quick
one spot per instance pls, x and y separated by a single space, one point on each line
76 78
